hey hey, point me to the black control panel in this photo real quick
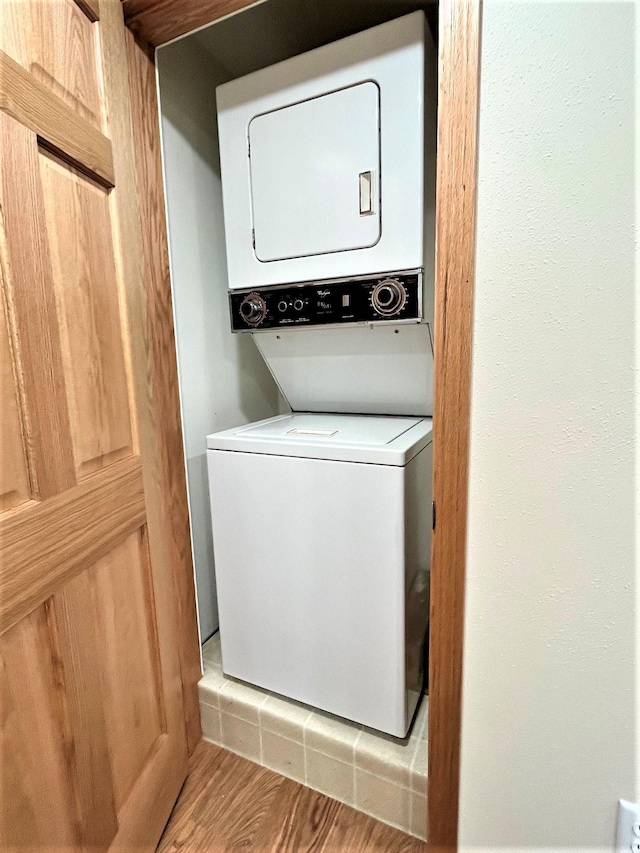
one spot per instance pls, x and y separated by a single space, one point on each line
381 298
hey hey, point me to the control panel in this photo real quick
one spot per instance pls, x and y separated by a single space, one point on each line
374 299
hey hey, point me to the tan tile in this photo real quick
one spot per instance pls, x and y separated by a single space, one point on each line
386 757
241 737
211 653
210 720
241 700
419 768
331 735
210 686
283 755
418 825
332 777
284 717
384 800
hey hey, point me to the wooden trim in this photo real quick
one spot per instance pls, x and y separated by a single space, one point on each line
148 174
459 57
82 524
35 106
158 785
91 8
159 21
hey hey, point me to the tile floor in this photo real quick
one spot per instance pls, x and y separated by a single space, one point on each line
383 776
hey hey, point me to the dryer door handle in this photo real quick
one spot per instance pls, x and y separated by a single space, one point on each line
365 182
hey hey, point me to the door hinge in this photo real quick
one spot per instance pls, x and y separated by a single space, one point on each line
253 237
433 515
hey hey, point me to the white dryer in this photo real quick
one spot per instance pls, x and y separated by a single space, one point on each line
325 158
321 531
328 180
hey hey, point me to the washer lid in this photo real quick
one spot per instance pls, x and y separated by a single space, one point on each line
348 438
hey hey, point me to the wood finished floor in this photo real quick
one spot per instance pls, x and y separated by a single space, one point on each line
229 803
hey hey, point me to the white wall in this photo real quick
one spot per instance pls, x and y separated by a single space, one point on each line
550 717
223 380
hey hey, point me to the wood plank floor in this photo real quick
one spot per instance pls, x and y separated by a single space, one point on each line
229 803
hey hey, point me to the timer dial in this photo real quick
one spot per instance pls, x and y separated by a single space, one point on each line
253 309
388 297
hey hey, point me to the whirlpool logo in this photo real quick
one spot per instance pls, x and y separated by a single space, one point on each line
323 293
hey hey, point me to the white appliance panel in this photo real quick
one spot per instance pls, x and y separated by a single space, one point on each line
418 526
350 430
391 56
349 438
369 369
315 174
311 559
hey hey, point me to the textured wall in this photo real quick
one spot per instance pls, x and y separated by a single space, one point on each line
549 718
223 379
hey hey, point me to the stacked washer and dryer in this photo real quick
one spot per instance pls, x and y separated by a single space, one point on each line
322 517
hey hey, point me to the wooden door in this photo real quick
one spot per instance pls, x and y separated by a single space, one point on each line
93 742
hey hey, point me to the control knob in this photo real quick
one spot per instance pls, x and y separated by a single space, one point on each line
388 297
298 304
253 309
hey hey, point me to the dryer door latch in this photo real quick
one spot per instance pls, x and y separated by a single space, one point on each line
365 180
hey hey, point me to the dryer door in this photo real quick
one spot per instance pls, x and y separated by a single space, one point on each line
315 175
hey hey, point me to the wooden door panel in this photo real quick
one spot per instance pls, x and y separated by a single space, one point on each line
79 655
28 285
78 221
116 702
57 43
92 720
133 702
15 487
36 805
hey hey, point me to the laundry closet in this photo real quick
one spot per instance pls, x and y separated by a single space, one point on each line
299 156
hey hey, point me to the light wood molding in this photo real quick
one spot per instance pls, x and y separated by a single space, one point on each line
159 21
163 772
148 165
37 107
81 525
459 57
91 8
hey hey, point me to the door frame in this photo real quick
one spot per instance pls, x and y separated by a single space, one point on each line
155 22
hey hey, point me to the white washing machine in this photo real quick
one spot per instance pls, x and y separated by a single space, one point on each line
321 531
322 522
